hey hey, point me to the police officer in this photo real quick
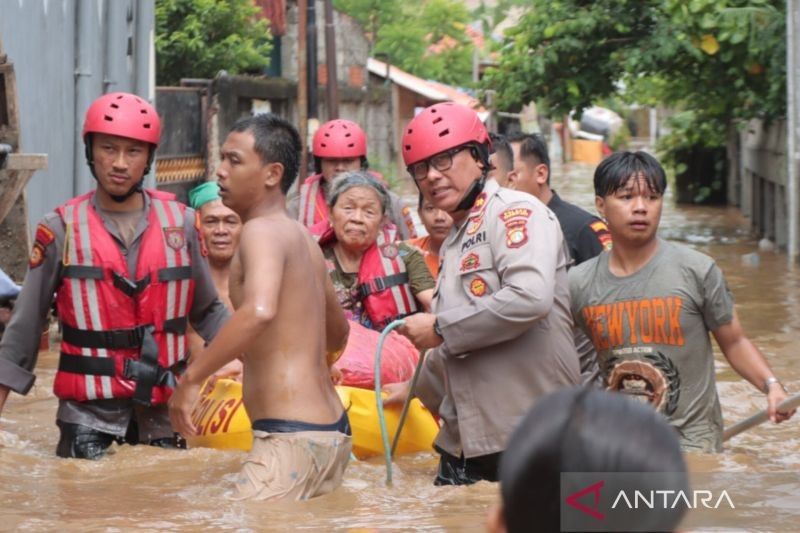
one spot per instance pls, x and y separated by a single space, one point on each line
339 146
501 330
586 234
125 265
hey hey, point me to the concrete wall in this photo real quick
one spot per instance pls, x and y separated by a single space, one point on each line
65 54
759 187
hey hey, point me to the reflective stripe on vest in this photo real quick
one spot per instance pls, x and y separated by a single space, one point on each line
78 251
171 216
313 207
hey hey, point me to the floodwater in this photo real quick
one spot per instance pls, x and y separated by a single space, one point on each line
147 488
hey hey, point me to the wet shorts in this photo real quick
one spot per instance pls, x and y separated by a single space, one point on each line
294 460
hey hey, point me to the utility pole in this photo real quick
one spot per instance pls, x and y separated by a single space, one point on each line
302 85
792 122
332 89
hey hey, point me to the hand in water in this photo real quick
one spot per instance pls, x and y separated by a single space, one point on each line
419 330
181 405
398 393
775 396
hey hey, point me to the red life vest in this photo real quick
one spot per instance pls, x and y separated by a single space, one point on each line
120 336
314 212
383 284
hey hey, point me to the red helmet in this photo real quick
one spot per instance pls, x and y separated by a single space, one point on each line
441 127
125 115
340 139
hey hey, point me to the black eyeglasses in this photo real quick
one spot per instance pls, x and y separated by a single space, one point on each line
441 162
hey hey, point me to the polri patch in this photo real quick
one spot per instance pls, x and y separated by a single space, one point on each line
516 221
174 237
471 262
37 255
477 286
44 238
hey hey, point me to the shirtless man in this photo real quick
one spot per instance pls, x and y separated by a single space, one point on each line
284 301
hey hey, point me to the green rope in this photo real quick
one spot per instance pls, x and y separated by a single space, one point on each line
407 403
387 449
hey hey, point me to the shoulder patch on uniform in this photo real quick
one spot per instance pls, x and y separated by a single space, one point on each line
470 262
477 286
479 205
474 224
37 255
44 238
603 235
44 235
516 221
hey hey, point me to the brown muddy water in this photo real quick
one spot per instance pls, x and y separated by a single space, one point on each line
144 488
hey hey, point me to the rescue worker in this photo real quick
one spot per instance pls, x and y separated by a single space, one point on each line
586 234
126 268
500 328
339 146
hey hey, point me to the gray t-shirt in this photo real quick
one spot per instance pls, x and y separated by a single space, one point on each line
651 333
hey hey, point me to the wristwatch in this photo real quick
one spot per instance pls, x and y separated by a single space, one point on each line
437 329
770 381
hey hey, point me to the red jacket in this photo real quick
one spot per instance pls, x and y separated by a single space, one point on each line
121 336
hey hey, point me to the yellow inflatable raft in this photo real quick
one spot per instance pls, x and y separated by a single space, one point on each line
224 423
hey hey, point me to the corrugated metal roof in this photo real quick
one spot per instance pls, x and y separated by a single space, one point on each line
432 90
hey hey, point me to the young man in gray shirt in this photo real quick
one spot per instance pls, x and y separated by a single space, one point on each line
648 306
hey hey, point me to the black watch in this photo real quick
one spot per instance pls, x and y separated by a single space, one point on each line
437 329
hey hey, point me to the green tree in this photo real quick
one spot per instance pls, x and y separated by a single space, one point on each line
424 37
715 61
198 38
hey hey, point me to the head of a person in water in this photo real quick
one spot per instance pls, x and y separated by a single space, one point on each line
261 154
358 209
629 194
580 429
220 226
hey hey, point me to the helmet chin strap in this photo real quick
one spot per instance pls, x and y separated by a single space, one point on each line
119 198
472 194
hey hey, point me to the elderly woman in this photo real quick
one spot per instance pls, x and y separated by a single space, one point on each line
377 280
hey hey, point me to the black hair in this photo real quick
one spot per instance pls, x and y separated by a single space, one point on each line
579 429
502 149
276 141
614 172
532 145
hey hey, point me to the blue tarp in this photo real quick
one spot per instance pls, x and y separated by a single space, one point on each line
8 289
